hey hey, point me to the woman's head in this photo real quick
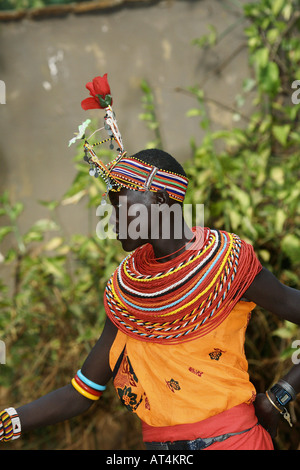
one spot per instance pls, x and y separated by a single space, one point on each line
142 216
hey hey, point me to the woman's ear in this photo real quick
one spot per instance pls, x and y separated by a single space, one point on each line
162 197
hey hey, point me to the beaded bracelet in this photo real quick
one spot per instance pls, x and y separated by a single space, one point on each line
89 382
86 387
10 425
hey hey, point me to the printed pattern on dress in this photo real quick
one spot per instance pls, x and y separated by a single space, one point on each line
173 385
216 354
128 387
195 371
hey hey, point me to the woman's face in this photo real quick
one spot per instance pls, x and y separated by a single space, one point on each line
131 217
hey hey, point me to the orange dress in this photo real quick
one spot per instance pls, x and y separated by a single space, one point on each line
167 385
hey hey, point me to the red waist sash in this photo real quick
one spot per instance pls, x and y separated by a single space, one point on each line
234 420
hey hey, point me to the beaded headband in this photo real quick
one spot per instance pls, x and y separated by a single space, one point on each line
133 173
123 171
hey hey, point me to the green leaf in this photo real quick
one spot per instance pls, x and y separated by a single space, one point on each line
53 244
277 175
261 58
52 267
16 210
33 236
269 78
146 117
242 197
287 11
106 101
4 231
207 39
248 84
280 219
194 112
51 205
10 256
290 245
75 198
44 225
145 87
264 255
235 219
277 5
4 198
287 331
272 35
281 133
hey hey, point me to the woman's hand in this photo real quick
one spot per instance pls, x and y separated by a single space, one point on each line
267 414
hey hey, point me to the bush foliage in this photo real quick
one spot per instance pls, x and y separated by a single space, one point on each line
248 179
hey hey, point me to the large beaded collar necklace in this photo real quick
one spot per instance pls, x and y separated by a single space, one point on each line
186 297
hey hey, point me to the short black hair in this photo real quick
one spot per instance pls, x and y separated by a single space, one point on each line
160 159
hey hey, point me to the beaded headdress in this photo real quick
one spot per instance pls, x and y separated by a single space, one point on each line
123 171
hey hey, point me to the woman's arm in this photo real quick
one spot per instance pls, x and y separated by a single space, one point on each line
65 403
268 292
57 406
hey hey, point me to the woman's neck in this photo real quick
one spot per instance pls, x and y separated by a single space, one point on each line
166 249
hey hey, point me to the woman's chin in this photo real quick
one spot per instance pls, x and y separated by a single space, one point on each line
128 244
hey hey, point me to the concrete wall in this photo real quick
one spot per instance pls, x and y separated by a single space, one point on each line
45 64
